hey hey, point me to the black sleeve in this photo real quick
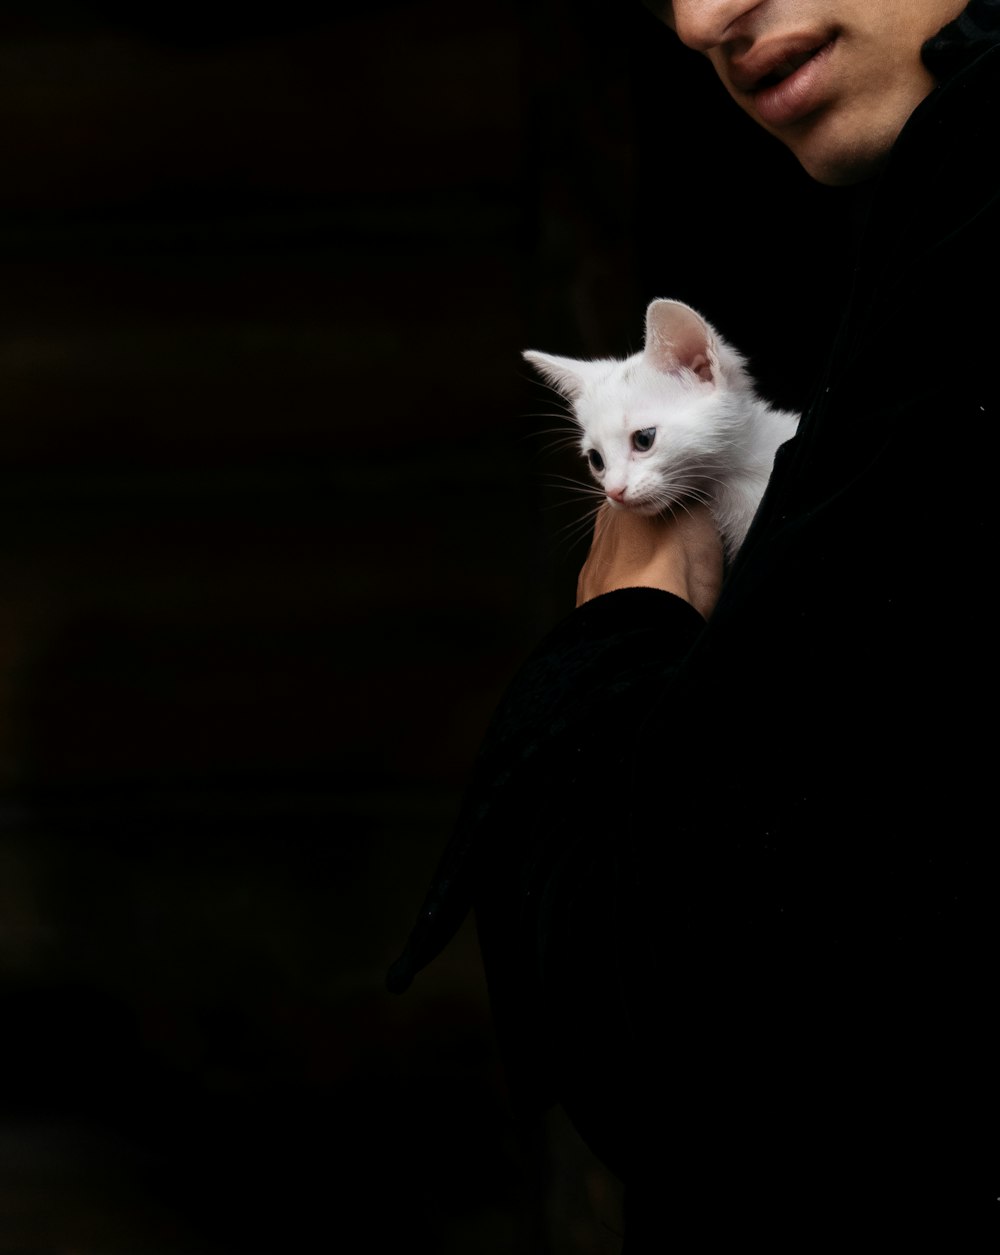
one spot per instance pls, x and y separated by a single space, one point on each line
734 881
595 671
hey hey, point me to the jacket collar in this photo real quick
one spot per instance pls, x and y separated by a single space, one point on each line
960 42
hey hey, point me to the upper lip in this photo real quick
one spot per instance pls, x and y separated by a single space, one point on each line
780 56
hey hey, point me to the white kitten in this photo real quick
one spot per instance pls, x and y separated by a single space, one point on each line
679 421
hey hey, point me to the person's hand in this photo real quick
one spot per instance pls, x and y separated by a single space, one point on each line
680 553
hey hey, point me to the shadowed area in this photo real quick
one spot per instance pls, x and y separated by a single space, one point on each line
279 519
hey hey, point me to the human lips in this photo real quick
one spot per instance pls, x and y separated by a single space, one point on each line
784 78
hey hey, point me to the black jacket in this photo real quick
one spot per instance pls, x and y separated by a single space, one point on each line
735 881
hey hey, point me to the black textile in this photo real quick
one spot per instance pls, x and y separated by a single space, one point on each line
735 882
958 44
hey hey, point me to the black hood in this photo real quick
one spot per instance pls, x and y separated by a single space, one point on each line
960 42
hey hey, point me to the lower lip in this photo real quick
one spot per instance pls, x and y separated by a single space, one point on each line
798 95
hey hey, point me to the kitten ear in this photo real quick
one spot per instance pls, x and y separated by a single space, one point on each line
679 339
565 374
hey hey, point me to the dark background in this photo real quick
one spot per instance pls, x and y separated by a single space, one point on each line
278 518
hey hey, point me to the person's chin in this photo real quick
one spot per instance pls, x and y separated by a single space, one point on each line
841 160
842 170
845 145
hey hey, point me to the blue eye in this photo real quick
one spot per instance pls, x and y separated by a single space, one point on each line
642 441
595 460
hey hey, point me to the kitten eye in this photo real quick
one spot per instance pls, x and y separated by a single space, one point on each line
642 441
595 460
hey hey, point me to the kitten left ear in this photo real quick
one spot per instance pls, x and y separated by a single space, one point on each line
679 339
566 374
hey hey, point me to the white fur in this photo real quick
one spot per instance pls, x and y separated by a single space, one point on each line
715 439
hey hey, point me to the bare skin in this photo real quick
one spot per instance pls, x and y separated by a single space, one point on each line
680 554
851 70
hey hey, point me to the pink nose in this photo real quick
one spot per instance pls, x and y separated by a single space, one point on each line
617 494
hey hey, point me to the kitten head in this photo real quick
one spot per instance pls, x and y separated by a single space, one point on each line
656 428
